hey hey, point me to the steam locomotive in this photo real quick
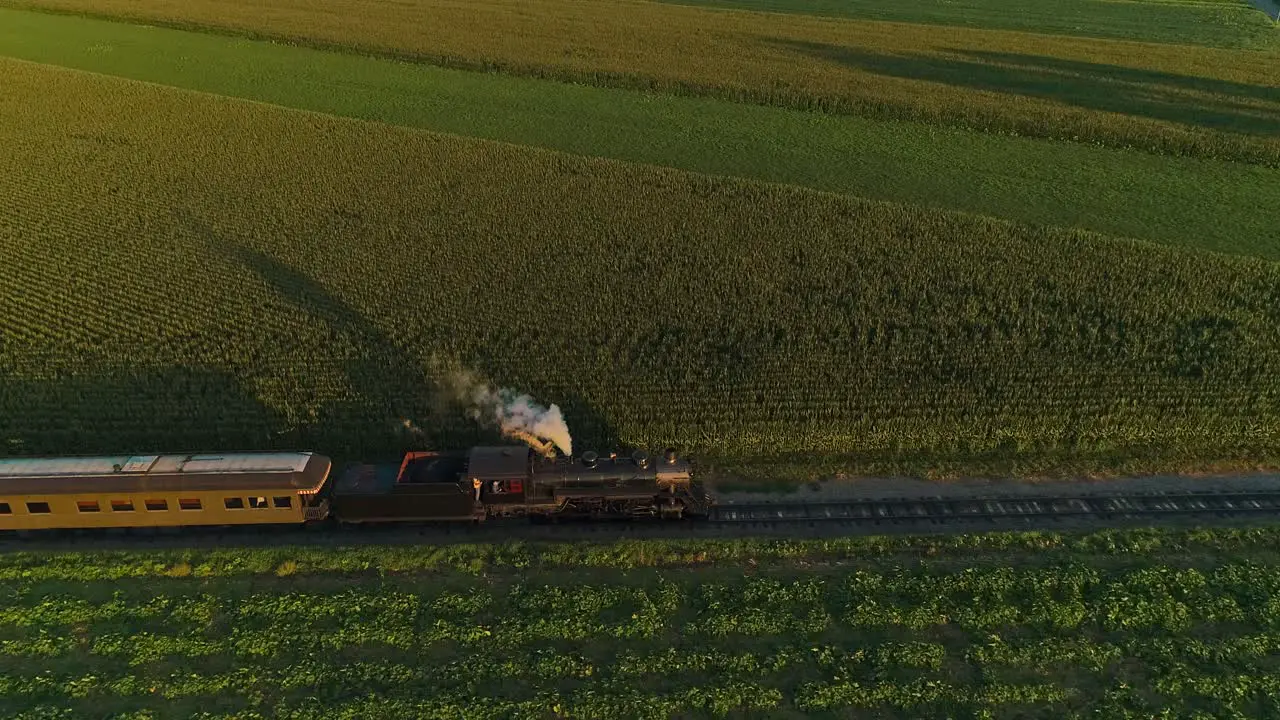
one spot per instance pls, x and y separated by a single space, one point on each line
483 483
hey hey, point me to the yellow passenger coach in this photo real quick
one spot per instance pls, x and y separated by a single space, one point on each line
162 490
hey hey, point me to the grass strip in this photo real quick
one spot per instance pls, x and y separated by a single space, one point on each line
1260 544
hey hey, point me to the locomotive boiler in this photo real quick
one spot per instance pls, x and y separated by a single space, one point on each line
514 481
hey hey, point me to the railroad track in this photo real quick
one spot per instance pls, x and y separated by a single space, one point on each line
940 509
904 515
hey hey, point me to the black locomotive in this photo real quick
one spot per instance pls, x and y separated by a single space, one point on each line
514 481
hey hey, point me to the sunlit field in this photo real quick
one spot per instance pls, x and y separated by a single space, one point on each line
1182 99
275 286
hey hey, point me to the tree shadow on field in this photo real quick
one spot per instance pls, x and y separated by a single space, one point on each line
398 401
1183 99
121 410
390 385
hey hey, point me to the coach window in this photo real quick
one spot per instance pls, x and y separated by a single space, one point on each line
189 503
88 506
5 509
233 503
38 507
121 506
283 501
157 505
257 502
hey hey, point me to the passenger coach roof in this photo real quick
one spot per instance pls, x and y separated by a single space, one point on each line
109 465
130 473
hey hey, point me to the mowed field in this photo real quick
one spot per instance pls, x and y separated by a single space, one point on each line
1134 624
186 270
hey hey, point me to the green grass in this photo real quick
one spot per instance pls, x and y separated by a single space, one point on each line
1199 203
1117 624
1194 546
188 271
1209 23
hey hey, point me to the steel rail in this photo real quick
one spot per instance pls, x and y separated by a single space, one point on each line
942 509
855 516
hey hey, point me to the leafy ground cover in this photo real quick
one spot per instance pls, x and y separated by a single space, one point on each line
271 284
1119 624
1201 203
1185 100
1211 23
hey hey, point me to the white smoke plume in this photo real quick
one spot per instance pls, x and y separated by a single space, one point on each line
515 413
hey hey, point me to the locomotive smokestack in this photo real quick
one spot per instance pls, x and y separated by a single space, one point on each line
641 458
671 456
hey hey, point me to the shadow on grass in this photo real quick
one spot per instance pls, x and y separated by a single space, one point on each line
1183 99
390 385
591 429
192 408
131 410
125 409
393 384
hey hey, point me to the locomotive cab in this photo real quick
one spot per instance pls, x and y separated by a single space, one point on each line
500 472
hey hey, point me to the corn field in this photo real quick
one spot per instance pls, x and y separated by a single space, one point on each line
1177 99
275 286
1220 23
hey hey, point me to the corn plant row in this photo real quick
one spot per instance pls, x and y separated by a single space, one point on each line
747 322
1172 654
248 684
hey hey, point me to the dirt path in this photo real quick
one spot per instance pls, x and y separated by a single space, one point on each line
872 488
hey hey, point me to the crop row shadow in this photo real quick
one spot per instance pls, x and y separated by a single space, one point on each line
1184 99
